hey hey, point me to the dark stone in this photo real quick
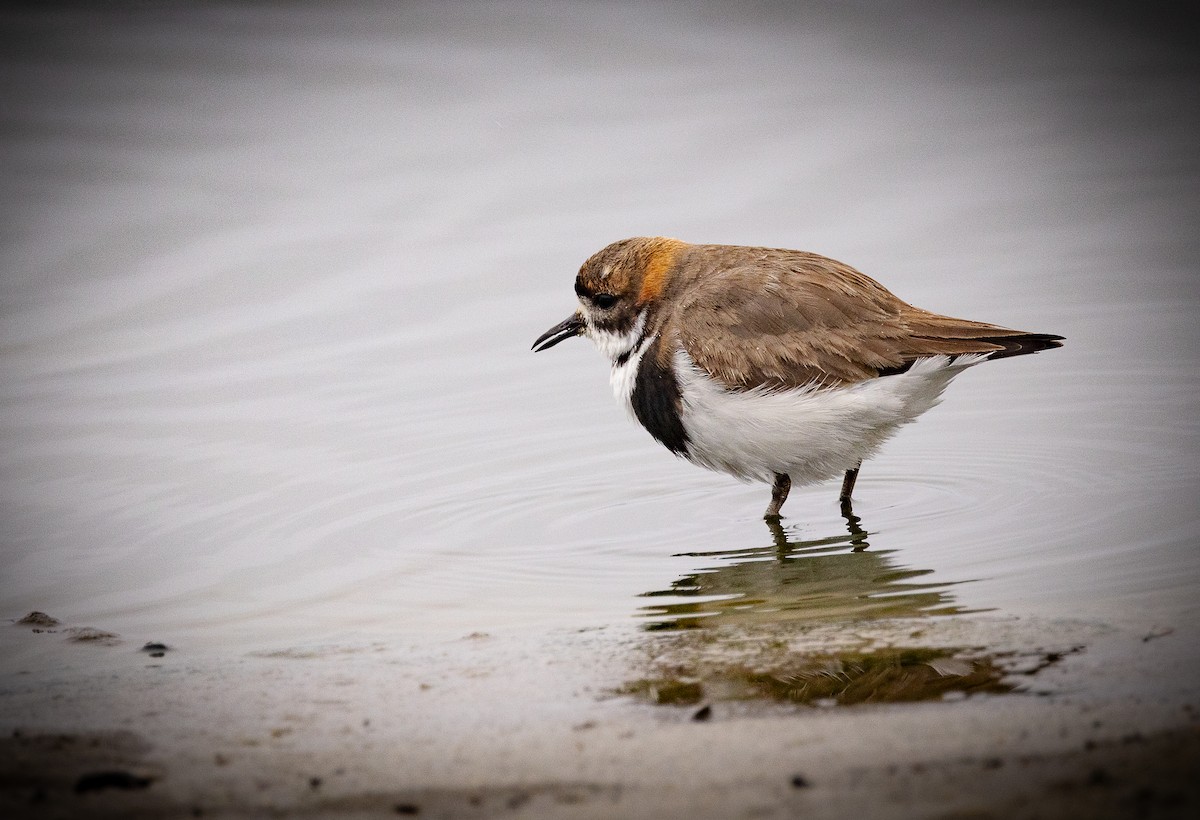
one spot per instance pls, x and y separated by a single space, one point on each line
99 781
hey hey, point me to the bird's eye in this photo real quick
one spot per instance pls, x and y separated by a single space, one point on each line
604 300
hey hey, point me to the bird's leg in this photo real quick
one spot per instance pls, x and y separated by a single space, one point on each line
848 490
848 484
779 494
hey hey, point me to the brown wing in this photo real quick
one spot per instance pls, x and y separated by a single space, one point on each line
789 318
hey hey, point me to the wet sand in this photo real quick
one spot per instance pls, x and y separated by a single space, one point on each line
501 726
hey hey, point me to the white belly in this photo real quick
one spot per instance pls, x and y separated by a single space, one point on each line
809 434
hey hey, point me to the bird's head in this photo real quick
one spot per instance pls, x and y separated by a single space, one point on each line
619 289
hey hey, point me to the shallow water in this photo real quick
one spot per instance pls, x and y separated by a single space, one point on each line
270 278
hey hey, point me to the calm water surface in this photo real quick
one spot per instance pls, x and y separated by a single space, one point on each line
271 274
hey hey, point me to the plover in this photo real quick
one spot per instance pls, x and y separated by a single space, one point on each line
769 364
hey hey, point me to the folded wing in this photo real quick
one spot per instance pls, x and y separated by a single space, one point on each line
789 319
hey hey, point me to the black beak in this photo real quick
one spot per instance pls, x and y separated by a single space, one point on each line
571 326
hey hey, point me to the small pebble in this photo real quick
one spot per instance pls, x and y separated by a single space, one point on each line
36 618
99 781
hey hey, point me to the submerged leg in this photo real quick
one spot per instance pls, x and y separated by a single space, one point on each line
848 484
779 494
858 536
847 489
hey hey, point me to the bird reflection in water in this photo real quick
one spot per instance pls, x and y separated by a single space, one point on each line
837 577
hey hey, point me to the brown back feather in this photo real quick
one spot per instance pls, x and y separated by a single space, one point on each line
777 318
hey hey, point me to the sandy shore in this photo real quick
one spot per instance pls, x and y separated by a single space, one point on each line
496 725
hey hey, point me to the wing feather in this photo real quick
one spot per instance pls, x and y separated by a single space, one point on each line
785 319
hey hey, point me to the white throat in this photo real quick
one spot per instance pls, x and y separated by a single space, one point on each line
618 345
625 350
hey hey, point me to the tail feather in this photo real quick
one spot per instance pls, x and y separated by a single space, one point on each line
1022 344
1015 343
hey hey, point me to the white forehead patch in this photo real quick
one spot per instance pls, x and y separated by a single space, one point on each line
605 271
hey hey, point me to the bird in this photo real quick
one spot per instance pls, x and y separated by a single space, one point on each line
772 365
